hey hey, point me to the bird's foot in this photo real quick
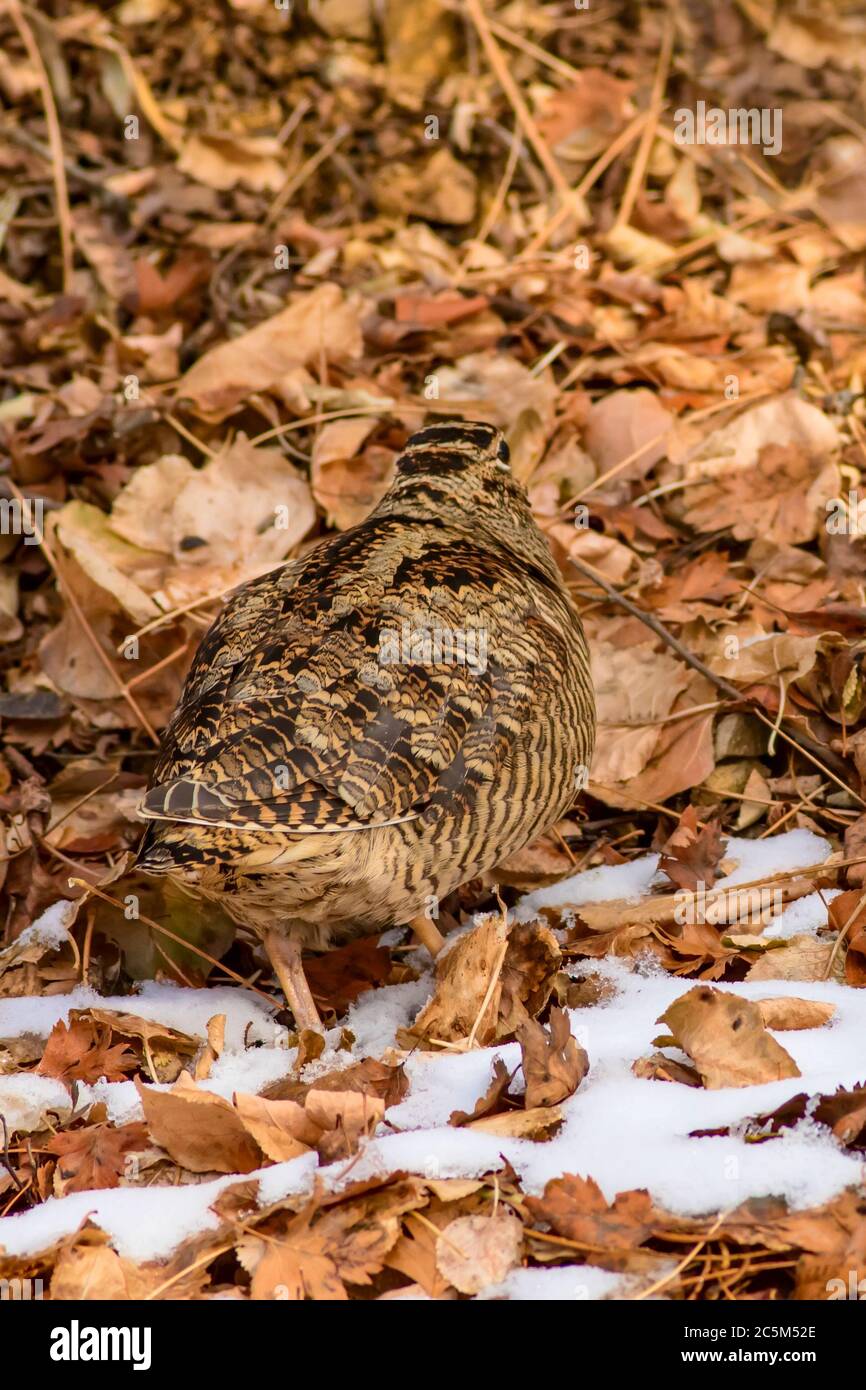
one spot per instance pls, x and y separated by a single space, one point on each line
427 933
285 956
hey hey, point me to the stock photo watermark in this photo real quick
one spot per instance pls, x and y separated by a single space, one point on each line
434 646
739 125
22 516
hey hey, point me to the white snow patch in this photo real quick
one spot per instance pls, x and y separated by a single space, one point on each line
632 881
759 858
49 930
564 1284
804 916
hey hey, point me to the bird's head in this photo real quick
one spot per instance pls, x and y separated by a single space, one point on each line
459 474
459 466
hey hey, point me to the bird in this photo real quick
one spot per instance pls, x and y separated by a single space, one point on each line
367 727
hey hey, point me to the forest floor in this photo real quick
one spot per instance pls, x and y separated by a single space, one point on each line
244 251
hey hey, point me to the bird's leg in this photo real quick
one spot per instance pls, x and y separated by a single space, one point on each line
427 933
284 953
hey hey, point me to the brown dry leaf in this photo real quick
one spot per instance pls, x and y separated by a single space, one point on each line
319 1253
344 1118
94 1156
690 856
414 1255
371 1077
658 1067
581 120
553 1062
421 47
281 1128
439 188
530 967
786 1012
224 161
464 971
347 484
627 423
637 754
89 1272
212 1051
164 1049
322 324
780 499
537 1123
474 1251
800 958
82 1051
847 914
339 977
487 984
238 516
491 1100
575 1207
199 1130
843 1112
726 1038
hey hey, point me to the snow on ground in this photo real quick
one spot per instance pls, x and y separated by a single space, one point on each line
622 1131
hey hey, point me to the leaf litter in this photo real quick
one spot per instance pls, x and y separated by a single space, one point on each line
217 335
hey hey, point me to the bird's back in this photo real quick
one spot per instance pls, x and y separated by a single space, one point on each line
410 683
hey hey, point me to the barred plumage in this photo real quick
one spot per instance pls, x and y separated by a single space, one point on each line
368 727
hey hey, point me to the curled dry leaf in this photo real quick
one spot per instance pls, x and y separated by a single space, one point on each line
726 1038
475 1251
789 1013
490 1102
281 1128
487 983
554 1064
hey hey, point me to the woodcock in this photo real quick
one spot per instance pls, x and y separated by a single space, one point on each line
364 729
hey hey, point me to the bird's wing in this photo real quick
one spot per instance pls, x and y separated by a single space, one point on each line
306 710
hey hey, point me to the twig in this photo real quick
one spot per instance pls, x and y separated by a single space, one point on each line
521 110
55 139
89 888
837 944
638 169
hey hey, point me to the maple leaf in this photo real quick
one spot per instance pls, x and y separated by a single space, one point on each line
575 1207
690 856
94 1156
82 1051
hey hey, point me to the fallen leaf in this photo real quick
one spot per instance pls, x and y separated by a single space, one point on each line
93 1156
785 1012
491 1099
198 1129
726 1038
575 1207
322 324
553 1063
81 1051
474 1251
